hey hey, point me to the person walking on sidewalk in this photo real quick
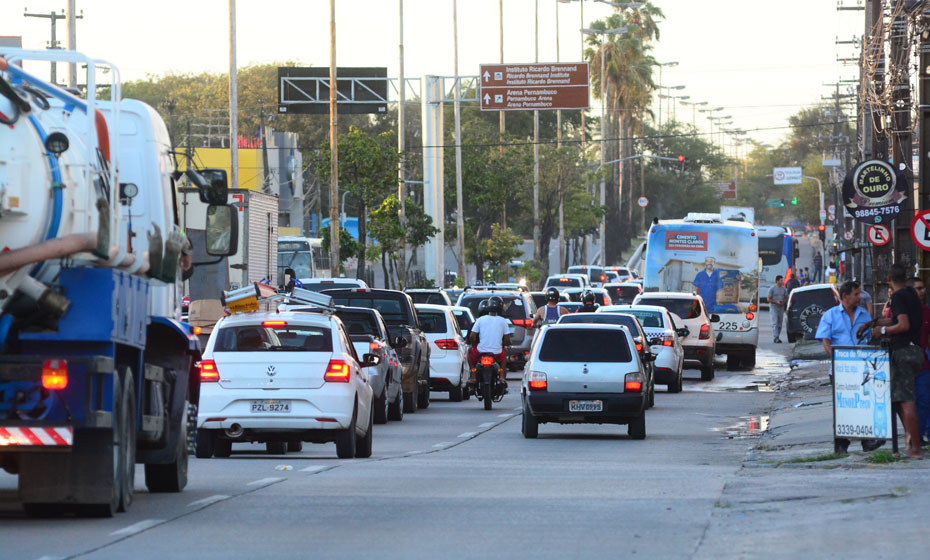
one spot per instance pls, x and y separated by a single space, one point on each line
818 268
778 296
792 283
907 356
838 327
922 383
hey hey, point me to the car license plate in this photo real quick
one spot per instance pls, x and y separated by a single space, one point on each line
585 406
271 406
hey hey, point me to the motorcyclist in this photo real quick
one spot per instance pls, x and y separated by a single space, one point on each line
550 312
587 303
490 335
482 309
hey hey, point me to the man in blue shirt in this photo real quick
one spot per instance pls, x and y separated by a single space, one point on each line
838 327
707 283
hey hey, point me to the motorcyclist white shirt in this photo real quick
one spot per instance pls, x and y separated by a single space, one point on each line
491 330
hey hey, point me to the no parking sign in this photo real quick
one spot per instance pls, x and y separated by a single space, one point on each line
879 235
920 230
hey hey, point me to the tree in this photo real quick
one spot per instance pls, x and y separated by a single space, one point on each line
501 247
347 246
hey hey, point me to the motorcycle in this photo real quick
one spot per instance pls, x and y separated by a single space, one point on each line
489 386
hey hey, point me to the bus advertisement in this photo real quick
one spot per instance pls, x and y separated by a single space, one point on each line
778 250
720 262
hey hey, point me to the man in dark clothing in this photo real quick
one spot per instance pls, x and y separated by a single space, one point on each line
818 268
792 283
907 355
588 305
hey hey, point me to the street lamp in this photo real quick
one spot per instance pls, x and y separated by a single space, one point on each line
673 104
694 105
661 65
602 229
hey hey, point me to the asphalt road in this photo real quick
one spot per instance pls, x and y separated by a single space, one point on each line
450 481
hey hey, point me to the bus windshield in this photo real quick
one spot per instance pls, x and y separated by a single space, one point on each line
776 250
719 262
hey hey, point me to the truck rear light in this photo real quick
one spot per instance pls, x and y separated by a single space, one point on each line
55 374
537 381
633 383
208 371
705 332
337 371
447 344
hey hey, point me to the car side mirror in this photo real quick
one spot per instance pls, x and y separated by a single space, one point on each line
211 184
683 332
400 342
715 318
222 230
370 360
655 341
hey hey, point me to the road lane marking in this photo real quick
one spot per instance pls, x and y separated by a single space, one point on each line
209 500
443 444
486 424
265 481
466 434
137 527
415 452
51 558
504 415
314 468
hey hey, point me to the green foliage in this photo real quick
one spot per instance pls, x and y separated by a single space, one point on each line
498 250
348 247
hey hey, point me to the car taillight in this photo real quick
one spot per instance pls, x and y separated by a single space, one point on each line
639 346
752 307
208 372
633 382
750 316
337 371
274 323
667 343
447 344
487 361
374 347
537 381
196 330
525 323
705 332
55 374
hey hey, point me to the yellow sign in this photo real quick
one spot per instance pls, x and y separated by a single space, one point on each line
243 305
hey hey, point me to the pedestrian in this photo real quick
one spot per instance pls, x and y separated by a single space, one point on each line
818 268
838 327
792 282
907 356
922 383
866 301
805 276
886 309
777 297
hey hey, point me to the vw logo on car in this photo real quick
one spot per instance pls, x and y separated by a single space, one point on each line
271 371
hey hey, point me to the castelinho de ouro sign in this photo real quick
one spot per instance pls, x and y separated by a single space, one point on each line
873 191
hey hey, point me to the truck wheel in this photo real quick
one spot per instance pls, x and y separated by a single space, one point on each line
396 409
206 444
346 440
222 448
171 477
423 397
637 427
276 447
733 362
295 446
107 447
363 446
381 408
749 360
128 441
410 403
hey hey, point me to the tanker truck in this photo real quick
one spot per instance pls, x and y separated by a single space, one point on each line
97 372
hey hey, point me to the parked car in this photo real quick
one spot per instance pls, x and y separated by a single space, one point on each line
584 374
567 281
320 284
465 319
519 310
282 379
411 345
664 331
370 335
623 293
448 360
639 339
806 305
434 297
595 274
539 298
700 345
601 297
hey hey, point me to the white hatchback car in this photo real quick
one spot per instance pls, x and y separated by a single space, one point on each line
448 360
701 343
663 331
282 379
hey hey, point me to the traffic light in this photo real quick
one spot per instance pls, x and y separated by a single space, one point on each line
781 203
794 201
823 233
681 160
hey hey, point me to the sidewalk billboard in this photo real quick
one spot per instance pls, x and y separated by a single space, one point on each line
861 392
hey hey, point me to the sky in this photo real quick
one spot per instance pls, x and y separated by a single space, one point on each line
760 60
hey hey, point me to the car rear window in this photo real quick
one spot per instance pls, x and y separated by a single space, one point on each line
603 319
256 338
390 309
648 319
564 282
359 323
585 345
823 298
464 320
622 294
513 305
320 286
684 308
426 297
539 299
432 322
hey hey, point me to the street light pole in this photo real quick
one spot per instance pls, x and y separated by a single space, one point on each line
558 136
401 149
536 232
233 101
333 145
459 218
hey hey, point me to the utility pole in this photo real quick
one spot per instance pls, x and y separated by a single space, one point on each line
459 218
333 147
401 149
882 257
233 101
923 85
54 44
904 250
266 177
536 233
72 40
558 136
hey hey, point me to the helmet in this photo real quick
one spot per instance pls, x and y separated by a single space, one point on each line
483 308
495 305
588 297
552 294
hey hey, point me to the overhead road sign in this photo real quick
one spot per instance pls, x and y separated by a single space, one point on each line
787 175
305 91
920 230
532 86
873 191
879 235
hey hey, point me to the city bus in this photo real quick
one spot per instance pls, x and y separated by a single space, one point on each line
304 255
778 250
718 260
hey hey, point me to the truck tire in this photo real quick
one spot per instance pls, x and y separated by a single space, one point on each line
107 447
423 397
171 477
128 441
206 444
733 362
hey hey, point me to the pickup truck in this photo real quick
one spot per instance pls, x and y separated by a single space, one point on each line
407 337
